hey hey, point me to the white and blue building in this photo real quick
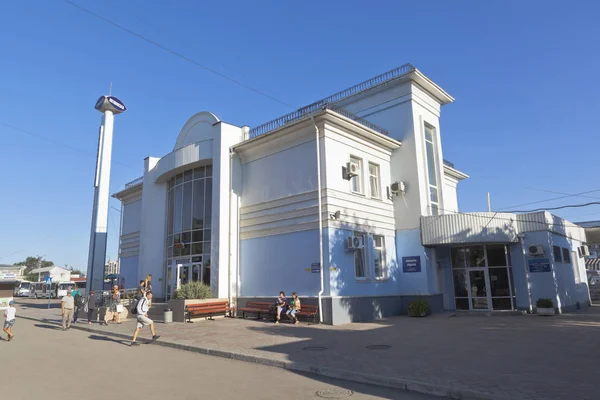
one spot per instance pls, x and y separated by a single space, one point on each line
355 183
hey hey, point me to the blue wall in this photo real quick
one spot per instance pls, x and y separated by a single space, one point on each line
129 271
408 244
278 262
342 279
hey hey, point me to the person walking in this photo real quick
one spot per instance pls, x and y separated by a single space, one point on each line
90 304
141 290
77 300
113 311
10 316
295 307
142 318
148 286
67 304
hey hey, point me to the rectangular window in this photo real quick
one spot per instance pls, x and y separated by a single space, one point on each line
566 256
432 170
379 257
374 181
557 253
576 273
356 181
359 259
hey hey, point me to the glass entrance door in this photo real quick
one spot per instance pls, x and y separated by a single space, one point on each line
482 278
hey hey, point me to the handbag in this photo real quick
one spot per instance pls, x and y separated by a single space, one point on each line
119 308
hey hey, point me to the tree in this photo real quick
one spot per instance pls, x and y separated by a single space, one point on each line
34 262
78 271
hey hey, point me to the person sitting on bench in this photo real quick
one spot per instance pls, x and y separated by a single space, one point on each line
294 308
280 304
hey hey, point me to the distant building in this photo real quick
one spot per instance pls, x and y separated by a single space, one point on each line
58 274
111 267
11 271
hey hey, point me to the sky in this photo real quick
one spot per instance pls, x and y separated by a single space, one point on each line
524 76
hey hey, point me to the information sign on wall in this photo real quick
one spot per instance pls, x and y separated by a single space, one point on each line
411 264
539 265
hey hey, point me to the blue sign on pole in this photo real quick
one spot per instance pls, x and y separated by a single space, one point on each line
411 264
49 283
539 265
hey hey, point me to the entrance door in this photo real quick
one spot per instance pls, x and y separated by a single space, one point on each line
479 285
482 278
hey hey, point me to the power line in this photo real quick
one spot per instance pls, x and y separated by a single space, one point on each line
543 201
560 207
175 53
59 143
555 192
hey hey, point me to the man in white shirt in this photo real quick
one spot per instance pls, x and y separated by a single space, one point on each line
10 316
67 304
142 318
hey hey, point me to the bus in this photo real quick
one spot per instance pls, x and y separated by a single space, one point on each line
63 287
40 290
22 289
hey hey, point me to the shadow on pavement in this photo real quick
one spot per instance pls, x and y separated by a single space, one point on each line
45 326
108 339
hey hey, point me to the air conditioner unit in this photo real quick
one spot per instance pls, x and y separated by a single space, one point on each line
584 251
536 250
397 187
352 169
355 242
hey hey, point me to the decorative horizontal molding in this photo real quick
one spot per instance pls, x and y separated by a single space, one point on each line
279 230
282 201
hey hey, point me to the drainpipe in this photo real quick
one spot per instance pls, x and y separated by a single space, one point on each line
522 242
231 153
320 219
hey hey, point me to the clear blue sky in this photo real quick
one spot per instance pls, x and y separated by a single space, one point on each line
524 75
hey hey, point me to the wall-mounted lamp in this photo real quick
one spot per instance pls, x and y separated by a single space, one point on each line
335 215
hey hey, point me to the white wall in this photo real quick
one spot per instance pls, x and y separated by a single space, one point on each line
450 195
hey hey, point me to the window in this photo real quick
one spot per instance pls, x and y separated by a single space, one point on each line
576 273
374 181
379 257
432 171
359 259
557 253
356 181
566 256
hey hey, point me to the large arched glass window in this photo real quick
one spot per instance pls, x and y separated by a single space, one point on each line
189 221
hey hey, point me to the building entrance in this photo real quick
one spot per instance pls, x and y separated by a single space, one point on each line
483 279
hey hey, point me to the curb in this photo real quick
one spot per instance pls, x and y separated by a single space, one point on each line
346 375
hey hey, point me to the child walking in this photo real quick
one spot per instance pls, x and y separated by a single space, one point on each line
10 315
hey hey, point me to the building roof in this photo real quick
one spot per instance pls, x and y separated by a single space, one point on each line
589 224
6 266
403 73
47 269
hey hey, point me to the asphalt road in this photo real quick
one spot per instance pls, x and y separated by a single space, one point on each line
42 361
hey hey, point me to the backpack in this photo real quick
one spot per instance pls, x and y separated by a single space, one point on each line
78 300
134 306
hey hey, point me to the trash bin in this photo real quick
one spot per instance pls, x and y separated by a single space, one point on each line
168 316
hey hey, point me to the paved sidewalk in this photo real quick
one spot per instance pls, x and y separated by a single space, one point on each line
468 357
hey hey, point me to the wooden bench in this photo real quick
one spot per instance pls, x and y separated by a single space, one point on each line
207 309
257 307
309 311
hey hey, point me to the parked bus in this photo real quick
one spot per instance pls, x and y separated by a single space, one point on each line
22 289
63 287
40 290
6 293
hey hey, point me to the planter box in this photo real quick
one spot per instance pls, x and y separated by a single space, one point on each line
423 314
545 311
178 307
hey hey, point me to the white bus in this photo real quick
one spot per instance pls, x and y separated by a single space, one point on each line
63 287
40 290
22 289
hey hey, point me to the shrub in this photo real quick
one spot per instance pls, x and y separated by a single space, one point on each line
418 307
193 291
544 303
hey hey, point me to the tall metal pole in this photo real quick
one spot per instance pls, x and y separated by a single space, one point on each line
109 106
